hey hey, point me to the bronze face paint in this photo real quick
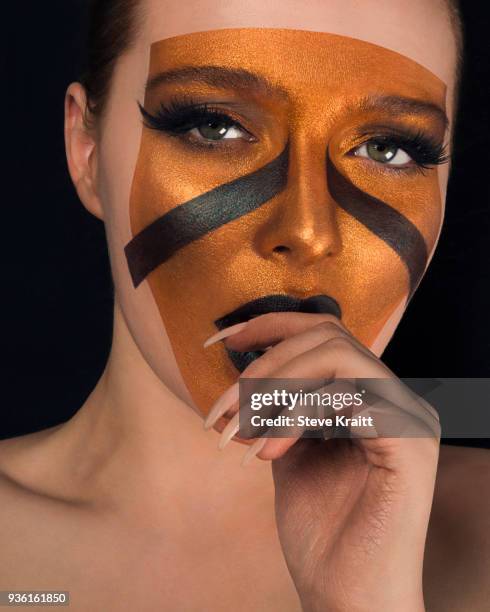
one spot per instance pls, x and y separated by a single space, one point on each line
203 214
384 221
293 211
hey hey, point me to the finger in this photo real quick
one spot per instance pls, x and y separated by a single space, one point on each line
226 401
272 446
270 449
393 421
398 394
273 327
307 329
338 358
301 342
279 354
300 347
395 425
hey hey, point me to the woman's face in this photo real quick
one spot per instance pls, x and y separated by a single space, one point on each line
269 167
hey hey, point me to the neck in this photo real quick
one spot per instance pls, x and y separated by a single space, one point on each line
133 439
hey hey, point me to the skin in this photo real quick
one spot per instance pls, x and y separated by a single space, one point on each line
301 241
131 498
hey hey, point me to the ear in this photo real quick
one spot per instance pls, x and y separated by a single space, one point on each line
80 144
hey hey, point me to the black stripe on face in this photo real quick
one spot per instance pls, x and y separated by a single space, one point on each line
383 221
203 214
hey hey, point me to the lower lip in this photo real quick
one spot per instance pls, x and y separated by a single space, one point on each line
280 303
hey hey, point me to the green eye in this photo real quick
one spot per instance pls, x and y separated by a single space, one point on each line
213 130
218 129
381 152
384 153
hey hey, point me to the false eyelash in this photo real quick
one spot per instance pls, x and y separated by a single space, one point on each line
424 150
181 115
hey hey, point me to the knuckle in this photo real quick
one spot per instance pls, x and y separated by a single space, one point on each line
340 343
330 318
329 327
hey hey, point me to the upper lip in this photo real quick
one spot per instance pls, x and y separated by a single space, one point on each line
279 303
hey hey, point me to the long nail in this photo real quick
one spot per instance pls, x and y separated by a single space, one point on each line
222 405
229 431
328 433
253 451
224 333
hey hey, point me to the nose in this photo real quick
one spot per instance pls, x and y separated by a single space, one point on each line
302 227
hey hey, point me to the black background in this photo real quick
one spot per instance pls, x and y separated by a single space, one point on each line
57 291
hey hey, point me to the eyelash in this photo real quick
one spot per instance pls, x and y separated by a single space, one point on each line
182 115
424 151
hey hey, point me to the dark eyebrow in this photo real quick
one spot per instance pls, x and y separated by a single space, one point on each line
239 78
401 105
217 76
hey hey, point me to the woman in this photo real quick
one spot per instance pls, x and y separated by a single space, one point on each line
288 160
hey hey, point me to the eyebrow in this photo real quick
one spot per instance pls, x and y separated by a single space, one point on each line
240 78
219 77
403 106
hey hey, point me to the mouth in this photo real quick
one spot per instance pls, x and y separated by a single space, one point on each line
273 303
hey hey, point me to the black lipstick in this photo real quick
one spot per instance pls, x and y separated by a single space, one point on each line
273 303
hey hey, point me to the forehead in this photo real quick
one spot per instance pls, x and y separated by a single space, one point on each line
418 29
291 60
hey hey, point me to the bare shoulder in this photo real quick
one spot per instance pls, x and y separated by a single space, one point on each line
29 497
463 479
37 522
22 482
21 461
457 561
462 497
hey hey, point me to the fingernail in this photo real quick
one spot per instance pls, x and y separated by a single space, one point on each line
222 405
229 431
328 434
253 451
224 333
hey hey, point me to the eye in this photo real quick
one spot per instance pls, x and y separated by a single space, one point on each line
218 129
382 152
198 124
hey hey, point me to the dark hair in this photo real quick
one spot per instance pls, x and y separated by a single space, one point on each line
113 25
457 25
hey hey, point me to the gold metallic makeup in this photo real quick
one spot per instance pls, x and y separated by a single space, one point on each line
252 182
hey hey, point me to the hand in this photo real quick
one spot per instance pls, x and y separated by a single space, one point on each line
352 514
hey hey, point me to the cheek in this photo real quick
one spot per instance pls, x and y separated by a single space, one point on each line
211 276
401 208
389 223
387 283
370 279
166 176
